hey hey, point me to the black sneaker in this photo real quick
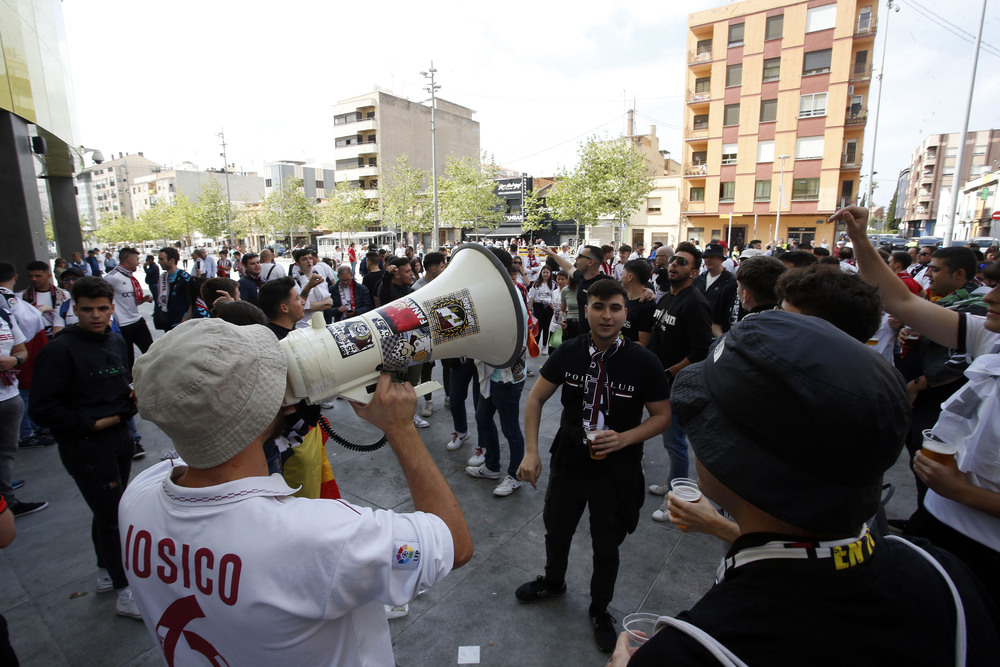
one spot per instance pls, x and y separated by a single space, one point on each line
21 508
605 635
35 441
16 483
539 589
140 451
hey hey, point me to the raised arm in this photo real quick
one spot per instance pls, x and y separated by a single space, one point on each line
938 324
564 262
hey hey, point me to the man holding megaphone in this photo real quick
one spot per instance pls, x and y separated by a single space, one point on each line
224 562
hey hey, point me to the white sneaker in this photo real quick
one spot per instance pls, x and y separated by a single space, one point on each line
396 611
457 440
420 423
545 351
447 403
508 486
482 471
478 457
427 410
104 583
125 606
662 515
660 489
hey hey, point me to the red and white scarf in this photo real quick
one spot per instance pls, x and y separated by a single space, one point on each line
136 288
596 391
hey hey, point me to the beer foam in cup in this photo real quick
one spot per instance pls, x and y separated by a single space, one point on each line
937 449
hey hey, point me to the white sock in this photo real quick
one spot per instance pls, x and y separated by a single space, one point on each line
125 593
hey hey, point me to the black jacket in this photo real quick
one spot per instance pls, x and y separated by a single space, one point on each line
720 296
80 377
362 300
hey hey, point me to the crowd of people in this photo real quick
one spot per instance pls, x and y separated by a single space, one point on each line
698 346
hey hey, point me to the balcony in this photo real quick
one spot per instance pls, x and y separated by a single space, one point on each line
856 117
698 133
861 72
697 169
699 56
355 150
864 28
850 160
930 156
698 98
356 173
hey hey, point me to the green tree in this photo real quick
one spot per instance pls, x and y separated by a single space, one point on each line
892 220
347 209
287 210
536 213
611 180
467 193
213 209
403 198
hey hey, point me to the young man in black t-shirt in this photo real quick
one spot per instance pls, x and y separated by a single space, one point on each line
639 322
606 381
682 332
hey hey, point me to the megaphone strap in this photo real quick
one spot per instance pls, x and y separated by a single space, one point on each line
324 424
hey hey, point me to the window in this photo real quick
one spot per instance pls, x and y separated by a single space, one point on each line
652 205
762 191
699 157
817 62
736 35
267 182
821 18
704 47
765 151
951 151
734 75
728 153
701 121
702 84
727 191
731 115
979 150
808 148
768 111
319 185
812 105
775 24
948 171
772 69
805 188
865 19
698 194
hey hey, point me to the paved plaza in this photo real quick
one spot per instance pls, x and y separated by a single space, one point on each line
47 575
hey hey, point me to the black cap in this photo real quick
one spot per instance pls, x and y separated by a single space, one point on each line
843 408
714 250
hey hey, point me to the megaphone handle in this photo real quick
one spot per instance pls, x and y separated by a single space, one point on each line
427 387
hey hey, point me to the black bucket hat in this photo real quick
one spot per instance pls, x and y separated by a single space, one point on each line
843 413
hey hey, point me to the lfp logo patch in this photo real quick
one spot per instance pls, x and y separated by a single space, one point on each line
406 554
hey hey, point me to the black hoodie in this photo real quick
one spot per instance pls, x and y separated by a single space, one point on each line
80 377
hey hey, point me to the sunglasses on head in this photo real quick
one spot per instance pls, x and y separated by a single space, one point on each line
683 261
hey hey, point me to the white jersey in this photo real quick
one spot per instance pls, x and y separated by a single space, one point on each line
51 300
10 335
126 308
272 272
317 293
62 321
243 573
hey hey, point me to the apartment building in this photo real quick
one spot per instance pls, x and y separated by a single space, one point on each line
317 179
374 129
774 120
980 200
105 189
932 172
162 187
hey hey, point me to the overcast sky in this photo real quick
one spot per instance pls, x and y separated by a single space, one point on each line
164 78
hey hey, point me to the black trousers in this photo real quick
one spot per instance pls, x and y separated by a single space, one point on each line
543 313
100 465
136 334
565 499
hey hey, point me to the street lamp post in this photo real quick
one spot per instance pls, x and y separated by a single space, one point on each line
432 89
878 108
229 204
781 195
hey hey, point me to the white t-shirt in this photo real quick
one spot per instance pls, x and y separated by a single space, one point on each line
126 309
980 457
544 294
260 577
70 318
317 293
10 335
272 272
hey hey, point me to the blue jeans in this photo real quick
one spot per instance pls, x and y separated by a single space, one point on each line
505 398
675 442
462 373
28 427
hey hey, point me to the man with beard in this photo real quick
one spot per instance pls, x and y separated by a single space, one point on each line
682 332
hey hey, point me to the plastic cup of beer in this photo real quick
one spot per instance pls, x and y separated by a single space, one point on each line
937 449
592 432
640 627
686 489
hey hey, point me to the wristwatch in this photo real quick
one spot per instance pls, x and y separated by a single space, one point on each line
670 376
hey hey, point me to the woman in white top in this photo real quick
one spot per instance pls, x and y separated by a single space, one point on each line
543 300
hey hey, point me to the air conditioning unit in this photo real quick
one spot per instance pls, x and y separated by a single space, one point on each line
850 89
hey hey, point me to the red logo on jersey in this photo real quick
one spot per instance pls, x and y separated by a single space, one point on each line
171 626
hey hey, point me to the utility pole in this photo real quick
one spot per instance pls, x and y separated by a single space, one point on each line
229 204
878 108
432 89
781 196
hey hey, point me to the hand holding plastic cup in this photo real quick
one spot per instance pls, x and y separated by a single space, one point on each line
592 433
640 627
686 489
937 449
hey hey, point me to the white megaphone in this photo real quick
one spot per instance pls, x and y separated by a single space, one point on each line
471 310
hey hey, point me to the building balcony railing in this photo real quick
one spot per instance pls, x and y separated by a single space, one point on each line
929 156
856 116
861 72
696 133
850 160
700 56
698 98
865 28
698 169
